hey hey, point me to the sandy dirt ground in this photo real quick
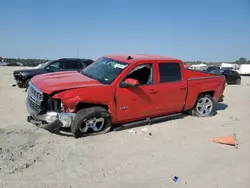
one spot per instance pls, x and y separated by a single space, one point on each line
32 157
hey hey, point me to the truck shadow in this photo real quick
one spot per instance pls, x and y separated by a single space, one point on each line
153 121
117 127
221 106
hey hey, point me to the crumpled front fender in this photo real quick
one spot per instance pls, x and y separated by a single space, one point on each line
68 100
93 95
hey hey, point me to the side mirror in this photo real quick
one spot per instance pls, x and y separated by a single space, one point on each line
129 82
47 68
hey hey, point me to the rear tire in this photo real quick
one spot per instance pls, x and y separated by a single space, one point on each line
85 119
20 84
26 84
238 81
205 106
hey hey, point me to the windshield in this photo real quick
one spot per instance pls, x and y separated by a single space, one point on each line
105 70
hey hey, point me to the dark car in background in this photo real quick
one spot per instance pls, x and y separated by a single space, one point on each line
23 76
213 69
232 77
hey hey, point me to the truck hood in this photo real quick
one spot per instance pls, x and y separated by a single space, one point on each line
51 82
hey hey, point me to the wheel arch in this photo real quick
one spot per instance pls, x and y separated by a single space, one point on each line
211 93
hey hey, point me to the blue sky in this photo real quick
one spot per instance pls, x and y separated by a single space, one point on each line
207 30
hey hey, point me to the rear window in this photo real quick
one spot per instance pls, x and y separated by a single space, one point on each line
169 72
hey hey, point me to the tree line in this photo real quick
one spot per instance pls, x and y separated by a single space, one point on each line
23 62
35 62
240 61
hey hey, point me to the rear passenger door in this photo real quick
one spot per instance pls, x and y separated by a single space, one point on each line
172 88
72 65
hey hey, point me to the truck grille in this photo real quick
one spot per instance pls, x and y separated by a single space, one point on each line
35 98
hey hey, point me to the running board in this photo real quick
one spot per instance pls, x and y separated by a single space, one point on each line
148 121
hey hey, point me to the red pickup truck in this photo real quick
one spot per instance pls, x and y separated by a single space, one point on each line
118 90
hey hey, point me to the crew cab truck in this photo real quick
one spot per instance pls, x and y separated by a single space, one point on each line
120 89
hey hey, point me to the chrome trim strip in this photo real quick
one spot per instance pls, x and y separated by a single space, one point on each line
35 88
34 98
34 93
30 109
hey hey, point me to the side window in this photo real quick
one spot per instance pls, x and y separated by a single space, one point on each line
55 66
225 71
72 65
142 73
83 64
234 73
169 72
88 62
229 72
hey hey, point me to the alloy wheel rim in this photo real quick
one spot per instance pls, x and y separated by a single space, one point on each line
204 106
96 124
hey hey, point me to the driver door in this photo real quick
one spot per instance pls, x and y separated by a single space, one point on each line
137 102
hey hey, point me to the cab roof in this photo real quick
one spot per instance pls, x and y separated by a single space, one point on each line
132 58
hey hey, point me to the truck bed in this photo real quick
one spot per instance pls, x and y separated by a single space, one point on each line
202 82
194 74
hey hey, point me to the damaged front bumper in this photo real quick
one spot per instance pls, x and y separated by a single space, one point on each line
50 121
18 79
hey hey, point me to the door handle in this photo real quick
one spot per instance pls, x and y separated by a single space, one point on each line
183 87
152 91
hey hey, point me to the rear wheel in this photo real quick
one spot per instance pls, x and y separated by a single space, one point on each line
26 85
205 106
238 81
91 121
20 85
